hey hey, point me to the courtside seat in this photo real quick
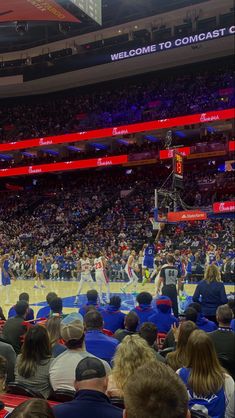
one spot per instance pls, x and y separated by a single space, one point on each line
20 389
62 395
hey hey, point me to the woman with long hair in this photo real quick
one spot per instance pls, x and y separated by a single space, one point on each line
209 386
210 292
132 353
177 358
33 364
53 326
3 377
37 408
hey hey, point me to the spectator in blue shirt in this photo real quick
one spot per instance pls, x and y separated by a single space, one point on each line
163 318
30 315
112 316
97 343
90 401
92 300
45 311
210 292
144 309
202 322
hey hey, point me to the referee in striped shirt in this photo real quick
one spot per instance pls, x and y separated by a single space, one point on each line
168 279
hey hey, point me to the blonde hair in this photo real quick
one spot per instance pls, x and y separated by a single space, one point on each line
207 376
131 354
53 328
212 274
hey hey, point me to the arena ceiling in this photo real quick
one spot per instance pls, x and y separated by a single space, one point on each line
19 34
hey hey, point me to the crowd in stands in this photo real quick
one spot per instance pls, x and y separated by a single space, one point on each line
114 211
146 361
135 101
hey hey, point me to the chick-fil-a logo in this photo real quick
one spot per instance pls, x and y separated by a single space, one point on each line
101 162
117 131
33 170
205 118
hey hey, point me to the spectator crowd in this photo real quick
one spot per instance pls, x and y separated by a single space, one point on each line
94 363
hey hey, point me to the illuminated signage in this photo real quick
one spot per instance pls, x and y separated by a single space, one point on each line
120 130
68 165
170 44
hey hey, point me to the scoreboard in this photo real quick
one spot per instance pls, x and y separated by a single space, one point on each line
92 8
178 170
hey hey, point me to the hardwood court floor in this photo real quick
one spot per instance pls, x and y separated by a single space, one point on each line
68 290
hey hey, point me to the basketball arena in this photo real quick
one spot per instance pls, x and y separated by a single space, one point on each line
117 202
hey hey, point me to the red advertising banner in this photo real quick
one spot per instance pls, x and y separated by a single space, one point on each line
26 10
169 153
223 207
189 215
68 165
120 130
231 146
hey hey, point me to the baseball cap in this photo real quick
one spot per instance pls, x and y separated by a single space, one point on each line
90 368
74 316
72 331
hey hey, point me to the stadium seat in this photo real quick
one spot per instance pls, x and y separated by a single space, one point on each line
118 402
12 401
20 389
62 395
165 351
1 325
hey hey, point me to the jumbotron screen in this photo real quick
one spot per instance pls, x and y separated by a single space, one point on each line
92 8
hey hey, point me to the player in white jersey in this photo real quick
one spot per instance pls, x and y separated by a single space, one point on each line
130 269
101 277
84 267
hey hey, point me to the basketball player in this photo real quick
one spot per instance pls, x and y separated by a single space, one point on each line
211 255
5 275
130 269
39 268
84 267
101 277
149 251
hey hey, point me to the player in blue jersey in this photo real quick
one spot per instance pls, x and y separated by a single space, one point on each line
149 252
39 262
5 275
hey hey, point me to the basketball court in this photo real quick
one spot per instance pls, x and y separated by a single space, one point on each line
67 291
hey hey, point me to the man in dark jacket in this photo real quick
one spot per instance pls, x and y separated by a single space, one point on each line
224 339
90 400
14 328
